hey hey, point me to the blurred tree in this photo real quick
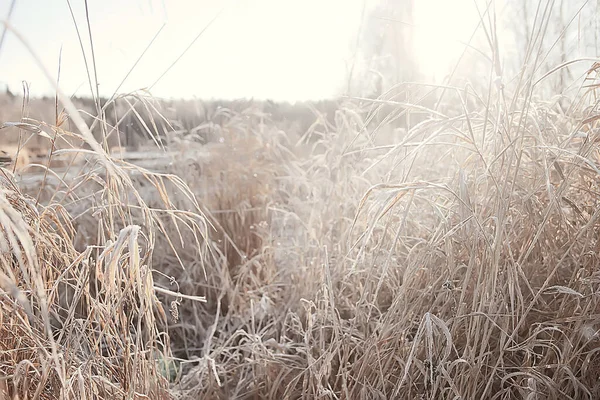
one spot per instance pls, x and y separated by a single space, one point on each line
543 34
384 48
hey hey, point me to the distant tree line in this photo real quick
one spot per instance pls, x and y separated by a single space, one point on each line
133 123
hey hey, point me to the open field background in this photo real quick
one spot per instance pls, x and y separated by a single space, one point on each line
429 242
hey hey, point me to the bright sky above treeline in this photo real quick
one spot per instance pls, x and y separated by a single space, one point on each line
277 49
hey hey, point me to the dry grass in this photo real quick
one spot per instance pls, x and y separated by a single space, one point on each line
333 264
456 257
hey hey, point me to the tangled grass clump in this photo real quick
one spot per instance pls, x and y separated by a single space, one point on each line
85 321
456 263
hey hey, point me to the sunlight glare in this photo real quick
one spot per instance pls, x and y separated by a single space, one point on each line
441 26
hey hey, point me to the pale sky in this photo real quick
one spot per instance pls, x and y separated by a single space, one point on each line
277 49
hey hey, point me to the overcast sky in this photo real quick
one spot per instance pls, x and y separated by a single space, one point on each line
278 49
